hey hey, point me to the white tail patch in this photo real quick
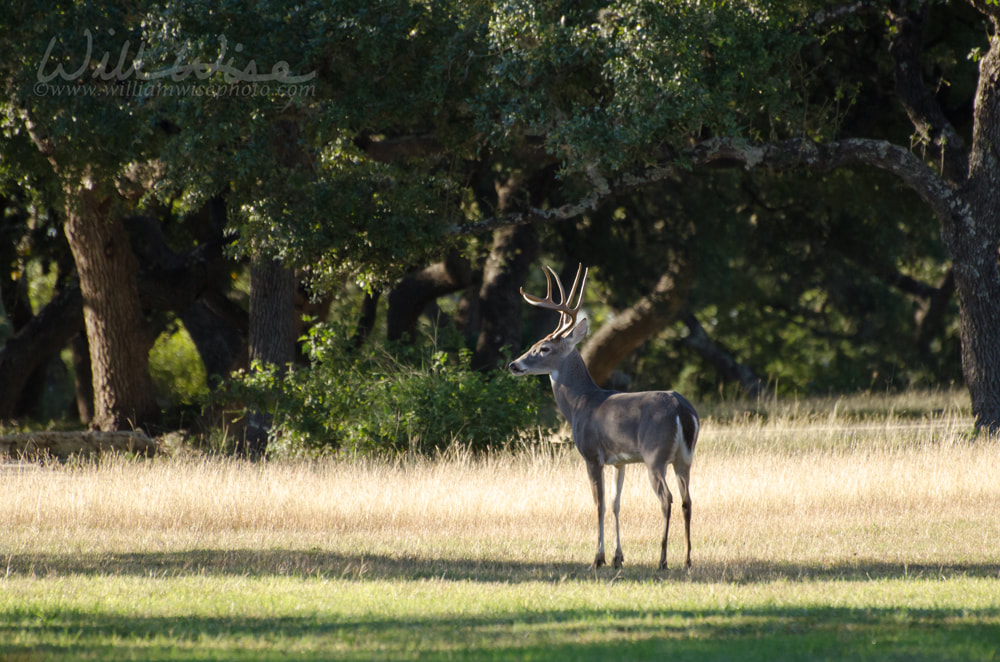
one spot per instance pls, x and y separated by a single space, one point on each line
682 444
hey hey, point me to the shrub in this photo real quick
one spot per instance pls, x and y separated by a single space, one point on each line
419 399
176 368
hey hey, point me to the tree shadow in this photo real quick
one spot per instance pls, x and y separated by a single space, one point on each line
597 633
328 564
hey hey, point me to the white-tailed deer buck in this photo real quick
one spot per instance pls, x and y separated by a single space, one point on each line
610 427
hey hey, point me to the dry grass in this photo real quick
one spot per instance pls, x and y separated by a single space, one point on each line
771 499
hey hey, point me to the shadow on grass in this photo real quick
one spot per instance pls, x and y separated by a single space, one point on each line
323 563
578 634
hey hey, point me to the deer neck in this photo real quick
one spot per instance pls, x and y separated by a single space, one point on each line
572 385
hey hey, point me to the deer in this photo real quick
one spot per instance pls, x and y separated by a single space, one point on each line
657 428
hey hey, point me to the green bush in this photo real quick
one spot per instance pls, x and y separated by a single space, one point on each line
176 368
414 399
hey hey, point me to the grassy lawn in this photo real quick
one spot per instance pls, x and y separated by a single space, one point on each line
819 533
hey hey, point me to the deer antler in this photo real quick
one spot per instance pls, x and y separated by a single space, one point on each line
567 312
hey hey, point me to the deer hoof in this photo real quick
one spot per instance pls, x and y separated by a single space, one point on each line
619 560
663 565
599 561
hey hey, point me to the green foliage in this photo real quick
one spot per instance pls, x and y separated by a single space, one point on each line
358 217
611 86
298 185
792 283
176 368
373 401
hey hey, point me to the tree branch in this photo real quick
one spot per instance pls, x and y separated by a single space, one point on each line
830 15
588 203
390 150
786 155
633 326
881 154
414 292
722 360
906 47
988 7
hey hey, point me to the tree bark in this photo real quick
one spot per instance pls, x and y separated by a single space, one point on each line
83 379
219 341
119 337
366 320
172 282
63 445
34 344
271 335
973 247
272 338
514 250
632 327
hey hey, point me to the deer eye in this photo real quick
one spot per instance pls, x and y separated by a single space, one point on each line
544 349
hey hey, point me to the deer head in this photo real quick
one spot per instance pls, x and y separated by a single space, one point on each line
546 355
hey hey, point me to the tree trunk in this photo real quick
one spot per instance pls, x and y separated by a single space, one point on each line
219 341
366 320
514 250
119 337
973 247
979 296
83 379
34 344
272 338
634 326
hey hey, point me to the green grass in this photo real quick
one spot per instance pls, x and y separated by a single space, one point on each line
825 536
231 616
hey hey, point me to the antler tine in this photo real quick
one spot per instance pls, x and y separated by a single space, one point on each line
562 292
539 301
578 293
567 312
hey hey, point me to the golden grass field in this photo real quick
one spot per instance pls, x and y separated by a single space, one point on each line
818 532
794 492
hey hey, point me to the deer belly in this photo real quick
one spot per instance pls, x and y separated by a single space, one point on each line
615 458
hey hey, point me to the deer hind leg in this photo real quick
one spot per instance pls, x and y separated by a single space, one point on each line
683 482
619 484
659 482
596 473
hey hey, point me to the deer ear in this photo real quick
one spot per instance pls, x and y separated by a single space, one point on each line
579 331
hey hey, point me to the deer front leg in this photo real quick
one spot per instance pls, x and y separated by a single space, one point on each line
619 484
596 473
